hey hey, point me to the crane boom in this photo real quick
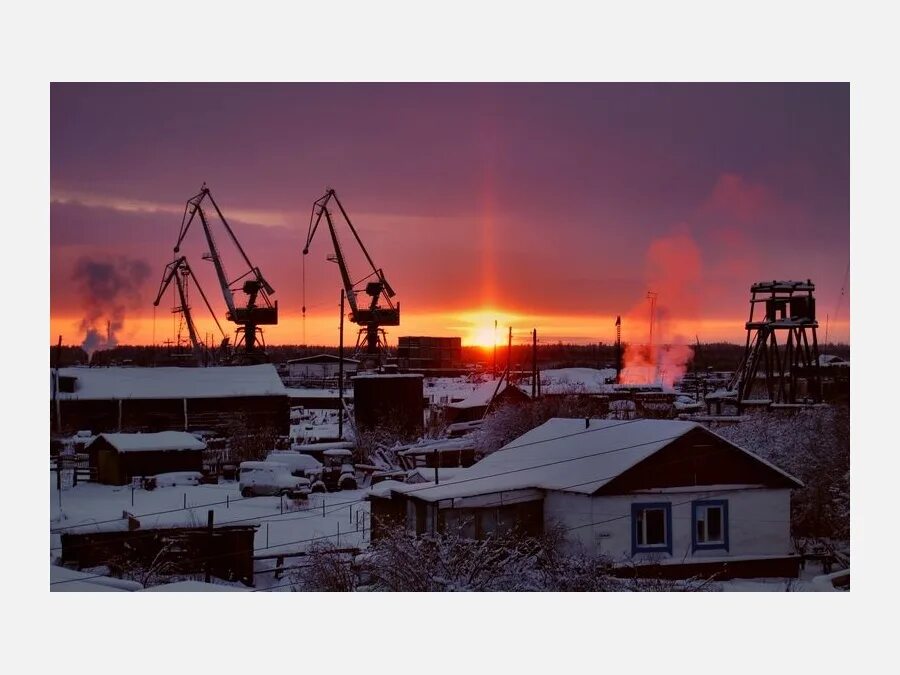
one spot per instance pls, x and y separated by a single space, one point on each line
374 315
254 314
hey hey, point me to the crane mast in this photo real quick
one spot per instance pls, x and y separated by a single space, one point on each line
179 271
380 310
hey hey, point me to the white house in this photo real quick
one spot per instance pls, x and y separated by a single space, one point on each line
661 493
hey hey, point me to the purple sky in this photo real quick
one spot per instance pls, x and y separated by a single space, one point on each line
556 201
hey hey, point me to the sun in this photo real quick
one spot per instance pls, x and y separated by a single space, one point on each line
479 328
482 336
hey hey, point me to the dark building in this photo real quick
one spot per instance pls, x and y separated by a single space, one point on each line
429 353
393 402
163 399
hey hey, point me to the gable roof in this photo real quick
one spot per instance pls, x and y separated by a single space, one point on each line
564 455
321 358
162 440
483 394
158 383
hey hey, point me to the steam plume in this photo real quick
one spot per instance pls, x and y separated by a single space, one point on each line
109 289
672 270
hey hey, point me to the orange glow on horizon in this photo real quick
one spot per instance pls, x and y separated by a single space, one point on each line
476 328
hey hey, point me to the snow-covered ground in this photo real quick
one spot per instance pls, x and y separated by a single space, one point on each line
284 526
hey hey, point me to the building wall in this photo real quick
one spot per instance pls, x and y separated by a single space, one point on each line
758 522
115 415
418 352
389 401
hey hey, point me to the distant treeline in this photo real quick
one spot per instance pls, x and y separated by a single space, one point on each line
709 355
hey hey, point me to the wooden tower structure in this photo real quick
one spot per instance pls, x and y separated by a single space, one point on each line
781 355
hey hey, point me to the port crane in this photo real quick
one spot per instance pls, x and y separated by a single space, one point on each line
258 309
378 310
180 272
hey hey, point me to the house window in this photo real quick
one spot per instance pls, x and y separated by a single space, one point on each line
710 524
651 528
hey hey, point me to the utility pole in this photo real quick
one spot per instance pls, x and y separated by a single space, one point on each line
509 352
341 372
534 370
495 347
652 359
618 349
56 386
652 297
209 528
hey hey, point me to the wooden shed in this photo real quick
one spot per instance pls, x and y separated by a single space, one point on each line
118 458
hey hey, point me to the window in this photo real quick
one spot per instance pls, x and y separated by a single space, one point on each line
651 528
710 521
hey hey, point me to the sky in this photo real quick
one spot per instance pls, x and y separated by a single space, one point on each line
548 206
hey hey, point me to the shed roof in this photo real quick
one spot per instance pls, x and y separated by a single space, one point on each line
157 383
562 454
161 440
482 395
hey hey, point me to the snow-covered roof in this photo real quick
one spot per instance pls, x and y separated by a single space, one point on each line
162 440
375 376
309 392
321 358
193 587
154 383
481 396
564 454
574 381
440 445
66 580
426 475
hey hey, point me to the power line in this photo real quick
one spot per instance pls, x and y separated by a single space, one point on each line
354 501
496 503
428 486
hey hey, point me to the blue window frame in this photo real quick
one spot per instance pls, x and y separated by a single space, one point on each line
651 527
709 524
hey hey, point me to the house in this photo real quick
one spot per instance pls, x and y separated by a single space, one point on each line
118 458
485 397
320 367
160 399
662 494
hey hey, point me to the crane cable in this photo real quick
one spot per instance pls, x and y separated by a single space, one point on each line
303 291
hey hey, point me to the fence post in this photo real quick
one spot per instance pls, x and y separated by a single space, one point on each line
267 535
184 504
323 506
339 534
226 502
209 539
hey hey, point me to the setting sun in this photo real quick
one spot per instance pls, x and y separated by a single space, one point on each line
479 328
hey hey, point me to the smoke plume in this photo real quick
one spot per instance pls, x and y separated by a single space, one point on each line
672 271
109 289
